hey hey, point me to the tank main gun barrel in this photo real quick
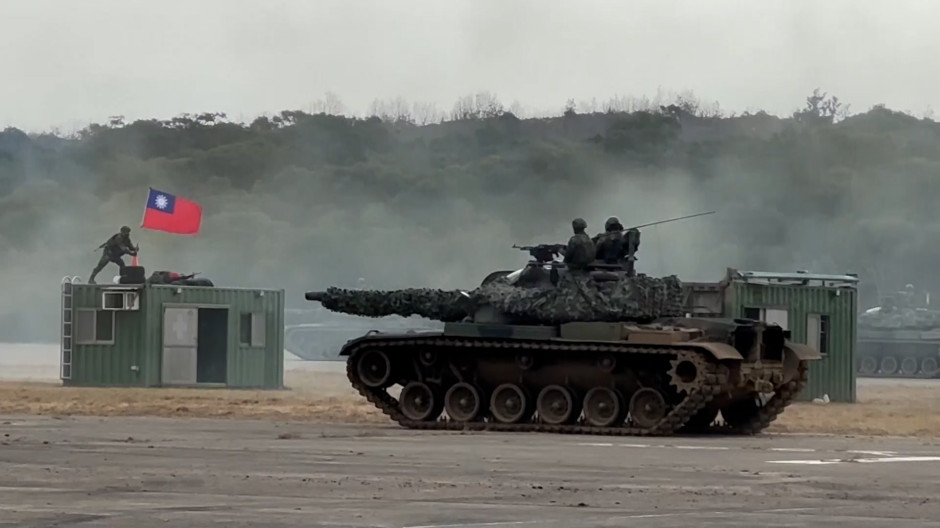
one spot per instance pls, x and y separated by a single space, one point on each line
317 296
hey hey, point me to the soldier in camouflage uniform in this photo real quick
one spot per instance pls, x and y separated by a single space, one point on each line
116 247
611 245
580 251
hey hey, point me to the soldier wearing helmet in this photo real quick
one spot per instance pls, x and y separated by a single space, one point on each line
617 245
580 250
611 244
116 247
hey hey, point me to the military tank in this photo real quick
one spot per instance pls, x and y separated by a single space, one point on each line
900 338
547 348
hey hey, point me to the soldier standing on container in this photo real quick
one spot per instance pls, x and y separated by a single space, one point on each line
116 247
580 250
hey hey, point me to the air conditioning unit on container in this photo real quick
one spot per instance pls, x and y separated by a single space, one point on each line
120 300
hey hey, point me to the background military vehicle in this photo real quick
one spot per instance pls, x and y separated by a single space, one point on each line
900 338
544 349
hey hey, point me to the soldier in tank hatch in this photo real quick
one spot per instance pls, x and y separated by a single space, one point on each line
580 250
116 247
611 244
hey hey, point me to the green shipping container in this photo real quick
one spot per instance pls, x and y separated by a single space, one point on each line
159 335
819 310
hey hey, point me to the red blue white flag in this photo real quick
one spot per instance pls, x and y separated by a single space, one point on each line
170 213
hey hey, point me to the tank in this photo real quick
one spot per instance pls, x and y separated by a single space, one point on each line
545 348
900 338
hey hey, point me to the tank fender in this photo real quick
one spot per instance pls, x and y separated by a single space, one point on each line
719 351
801 351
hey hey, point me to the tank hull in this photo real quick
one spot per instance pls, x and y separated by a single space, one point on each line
539 379
888 355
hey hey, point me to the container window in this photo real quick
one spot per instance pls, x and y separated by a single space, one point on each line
244 329
252 329
257 329
94 327
817 332
777 316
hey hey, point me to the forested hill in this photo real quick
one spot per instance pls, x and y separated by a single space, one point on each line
303 200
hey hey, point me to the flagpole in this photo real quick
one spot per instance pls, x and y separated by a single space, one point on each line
135 261
146 203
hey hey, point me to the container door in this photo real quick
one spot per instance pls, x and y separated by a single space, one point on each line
180 333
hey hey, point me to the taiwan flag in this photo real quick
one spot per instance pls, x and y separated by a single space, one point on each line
166 212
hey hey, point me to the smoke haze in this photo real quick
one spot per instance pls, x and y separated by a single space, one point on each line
325 201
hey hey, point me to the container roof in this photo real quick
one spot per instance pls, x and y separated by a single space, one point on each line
792 278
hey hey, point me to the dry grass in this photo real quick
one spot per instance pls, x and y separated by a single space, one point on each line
324 401
880 410
325 397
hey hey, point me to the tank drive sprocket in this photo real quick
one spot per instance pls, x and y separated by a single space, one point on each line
686 371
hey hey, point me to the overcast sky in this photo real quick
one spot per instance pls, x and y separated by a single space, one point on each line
66 63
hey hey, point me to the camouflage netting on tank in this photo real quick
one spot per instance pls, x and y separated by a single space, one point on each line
582 298
575 298
440 305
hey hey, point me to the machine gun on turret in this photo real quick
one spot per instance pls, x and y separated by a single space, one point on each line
543 253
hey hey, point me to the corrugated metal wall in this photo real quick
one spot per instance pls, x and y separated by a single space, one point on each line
246 366
104 365
139 337
834 374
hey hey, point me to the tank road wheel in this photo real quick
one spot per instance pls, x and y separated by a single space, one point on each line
509 403
889 365
909 366
867 366
556 405
929 366
419 402
462 402
647 407
374 369
602 407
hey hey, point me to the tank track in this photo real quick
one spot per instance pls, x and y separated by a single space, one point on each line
713 382
761 417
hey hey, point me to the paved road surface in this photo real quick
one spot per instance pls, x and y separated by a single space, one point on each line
143 472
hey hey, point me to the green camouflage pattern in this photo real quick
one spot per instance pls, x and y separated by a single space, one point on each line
576 297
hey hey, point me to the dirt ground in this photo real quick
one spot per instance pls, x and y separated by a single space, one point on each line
884 407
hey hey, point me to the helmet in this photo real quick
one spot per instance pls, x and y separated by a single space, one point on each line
613 224
125 230
579 224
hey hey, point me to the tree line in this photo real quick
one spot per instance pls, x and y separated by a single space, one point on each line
412 196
